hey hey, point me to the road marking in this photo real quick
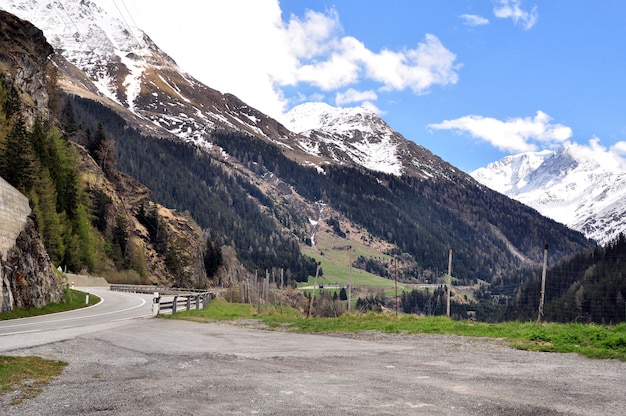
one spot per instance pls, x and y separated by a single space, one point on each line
143 302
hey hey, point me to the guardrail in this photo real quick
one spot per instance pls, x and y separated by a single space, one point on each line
182 299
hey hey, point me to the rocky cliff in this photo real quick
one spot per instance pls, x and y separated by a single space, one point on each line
27 277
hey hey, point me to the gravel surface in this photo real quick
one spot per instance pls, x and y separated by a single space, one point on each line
167 367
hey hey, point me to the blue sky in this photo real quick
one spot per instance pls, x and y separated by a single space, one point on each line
471 80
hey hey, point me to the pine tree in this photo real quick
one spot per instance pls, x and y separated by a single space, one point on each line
17 168
212 258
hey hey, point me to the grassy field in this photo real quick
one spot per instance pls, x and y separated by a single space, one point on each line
74 299
335 257
594 341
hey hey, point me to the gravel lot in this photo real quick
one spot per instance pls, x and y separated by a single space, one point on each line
166 367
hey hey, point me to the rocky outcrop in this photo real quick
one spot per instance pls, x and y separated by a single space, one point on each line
27 278
24 55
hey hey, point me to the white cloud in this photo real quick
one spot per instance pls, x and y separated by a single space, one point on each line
417 69
513 135
593 152
307 38
474 20
373 108
511 9
250 49
619 148
352 96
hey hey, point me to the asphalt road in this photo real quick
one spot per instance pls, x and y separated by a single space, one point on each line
113 310
165 367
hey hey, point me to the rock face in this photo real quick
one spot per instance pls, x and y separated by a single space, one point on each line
27 277
24 54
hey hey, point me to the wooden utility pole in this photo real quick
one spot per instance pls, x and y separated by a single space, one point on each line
319 263
449 283
266 287
258 289
281 289
395 273
350 282
542 296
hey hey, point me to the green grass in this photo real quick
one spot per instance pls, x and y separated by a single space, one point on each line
335 262
74 299
594 341
26 375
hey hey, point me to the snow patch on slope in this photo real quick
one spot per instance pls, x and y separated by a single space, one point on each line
581 188
354 133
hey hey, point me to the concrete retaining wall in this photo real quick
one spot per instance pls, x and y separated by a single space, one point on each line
14 210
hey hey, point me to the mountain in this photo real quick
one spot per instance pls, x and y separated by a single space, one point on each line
126 70
359 136
257 186
585 190
91 217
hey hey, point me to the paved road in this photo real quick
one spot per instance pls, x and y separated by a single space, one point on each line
166 367
114 309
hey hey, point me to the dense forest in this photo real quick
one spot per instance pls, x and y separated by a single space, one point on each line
42 164
424 218
229 207
79 228
588 287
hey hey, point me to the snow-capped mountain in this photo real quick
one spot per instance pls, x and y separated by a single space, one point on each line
358 135
583 189
123 65
421 204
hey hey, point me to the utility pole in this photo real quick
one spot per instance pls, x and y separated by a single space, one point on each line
543 285
258 289
266 288
449 283
395 272
281 289
350 282
319 263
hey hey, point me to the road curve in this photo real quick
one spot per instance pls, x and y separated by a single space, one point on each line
115 309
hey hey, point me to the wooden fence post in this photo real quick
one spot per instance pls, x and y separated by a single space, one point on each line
174 304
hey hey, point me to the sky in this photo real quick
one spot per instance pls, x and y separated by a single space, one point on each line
470 80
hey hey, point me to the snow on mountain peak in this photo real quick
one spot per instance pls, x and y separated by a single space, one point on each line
92 40
322 116
581 186
346 134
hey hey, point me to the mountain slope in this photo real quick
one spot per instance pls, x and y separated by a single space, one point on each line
359 136
256 184
584 190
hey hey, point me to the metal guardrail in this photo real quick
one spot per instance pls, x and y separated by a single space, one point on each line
182 300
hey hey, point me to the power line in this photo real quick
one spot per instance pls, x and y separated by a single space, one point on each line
125 22
83 38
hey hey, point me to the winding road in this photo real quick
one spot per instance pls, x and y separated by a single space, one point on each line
114 309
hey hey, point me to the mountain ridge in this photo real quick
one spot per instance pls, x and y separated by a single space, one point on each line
583 190
422 207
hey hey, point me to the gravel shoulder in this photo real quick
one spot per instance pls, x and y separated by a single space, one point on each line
166 367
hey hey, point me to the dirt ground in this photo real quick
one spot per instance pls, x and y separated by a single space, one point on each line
167 367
